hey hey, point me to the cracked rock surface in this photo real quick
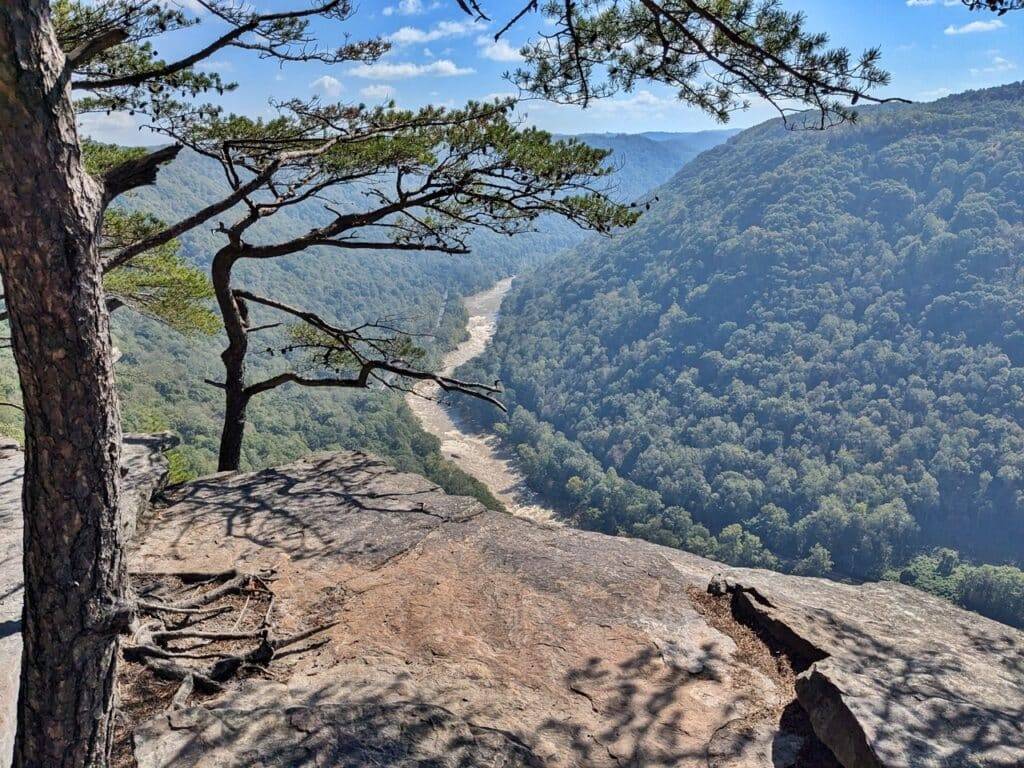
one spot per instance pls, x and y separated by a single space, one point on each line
902 679
468 637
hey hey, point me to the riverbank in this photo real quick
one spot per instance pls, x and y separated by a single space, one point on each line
480 455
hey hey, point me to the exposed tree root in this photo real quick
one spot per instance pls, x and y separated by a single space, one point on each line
190 634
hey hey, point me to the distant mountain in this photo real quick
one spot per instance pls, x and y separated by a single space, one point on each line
689 145
812 345
648 160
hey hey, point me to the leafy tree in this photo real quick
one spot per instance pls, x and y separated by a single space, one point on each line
430 177
818 562
739 547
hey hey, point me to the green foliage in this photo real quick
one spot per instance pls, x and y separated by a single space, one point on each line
815 336
993 590
99 157
818 562
715 55
739 547
158 283
161 374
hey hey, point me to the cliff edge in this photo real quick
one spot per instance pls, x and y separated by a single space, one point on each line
445 634
397 626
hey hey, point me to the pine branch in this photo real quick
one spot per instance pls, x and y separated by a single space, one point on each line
138 172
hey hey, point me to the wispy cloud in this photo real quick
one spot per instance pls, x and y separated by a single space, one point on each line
215 65
405 70
410 8
974 27
996 65
643 102
377 92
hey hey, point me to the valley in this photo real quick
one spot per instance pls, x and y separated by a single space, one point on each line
479 455
570 384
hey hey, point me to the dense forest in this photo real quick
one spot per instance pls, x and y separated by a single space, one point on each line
809 355
161 372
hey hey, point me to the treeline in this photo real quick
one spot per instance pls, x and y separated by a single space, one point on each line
814 345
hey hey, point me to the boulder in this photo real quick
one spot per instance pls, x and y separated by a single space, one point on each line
893 677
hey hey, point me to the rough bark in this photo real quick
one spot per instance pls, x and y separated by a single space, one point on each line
75 577
236 400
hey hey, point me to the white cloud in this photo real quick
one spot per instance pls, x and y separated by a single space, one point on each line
497 50
411 35
922 3
377 92
215 65
327 85
998 64
975 26
499 96
410 8
642 102
116 128
403 71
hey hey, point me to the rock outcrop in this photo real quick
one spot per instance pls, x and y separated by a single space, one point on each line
893 677
465 637
144 471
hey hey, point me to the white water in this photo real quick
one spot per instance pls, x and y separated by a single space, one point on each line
478 455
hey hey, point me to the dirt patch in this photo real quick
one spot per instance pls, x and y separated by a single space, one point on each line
750 648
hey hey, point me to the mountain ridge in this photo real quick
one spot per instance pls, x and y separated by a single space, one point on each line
811 345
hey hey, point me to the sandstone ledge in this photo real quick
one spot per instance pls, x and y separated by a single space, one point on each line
468 637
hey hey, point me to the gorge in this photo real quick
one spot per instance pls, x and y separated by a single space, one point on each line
480 455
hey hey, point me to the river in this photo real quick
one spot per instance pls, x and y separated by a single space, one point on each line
479 455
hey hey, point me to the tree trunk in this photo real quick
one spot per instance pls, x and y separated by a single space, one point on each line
235 398
235 404
75 576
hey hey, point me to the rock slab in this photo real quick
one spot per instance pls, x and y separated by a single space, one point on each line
468 637
896 677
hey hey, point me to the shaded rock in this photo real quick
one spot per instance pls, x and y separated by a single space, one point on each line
478 638
144 472
894 677
469 637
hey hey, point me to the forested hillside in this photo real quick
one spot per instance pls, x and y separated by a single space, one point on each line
808 355
648 160
161 372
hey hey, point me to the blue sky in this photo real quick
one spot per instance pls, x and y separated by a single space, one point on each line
931 47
